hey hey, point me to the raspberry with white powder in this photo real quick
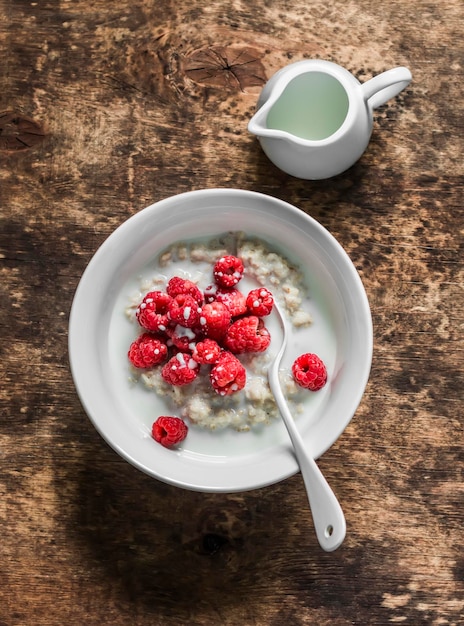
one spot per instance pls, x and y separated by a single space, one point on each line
178 285
181 337
234 300
228 271
180 370
152 314
206 351
184 310
228 375
260 302
214 320
247 334
147 350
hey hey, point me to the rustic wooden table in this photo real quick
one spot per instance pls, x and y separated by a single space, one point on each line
106 107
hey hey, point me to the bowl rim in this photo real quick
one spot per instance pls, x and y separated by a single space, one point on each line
136 220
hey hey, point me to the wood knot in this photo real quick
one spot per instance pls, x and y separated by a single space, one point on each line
212 543
18 132
232 67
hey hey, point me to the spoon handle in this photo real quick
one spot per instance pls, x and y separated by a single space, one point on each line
328 517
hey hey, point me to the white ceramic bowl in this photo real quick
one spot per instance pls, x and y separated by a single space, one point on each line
99 336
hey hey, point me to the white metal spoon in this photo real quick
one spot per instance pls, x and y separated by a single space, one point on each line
328 517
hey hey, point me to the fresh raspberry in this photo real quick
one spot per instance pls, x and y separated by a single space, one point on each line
147 350
178 285
309 372
228 270
152 313
260 302
228 375
182 337
247 334
210 292
180 370
214 320
184 310
206 351
234 300
168 431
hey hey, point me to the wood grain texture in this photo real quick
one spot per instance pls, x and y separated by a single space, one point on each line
136 101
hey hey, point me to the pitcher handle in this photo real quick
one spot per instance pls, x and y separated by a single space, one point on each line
381 88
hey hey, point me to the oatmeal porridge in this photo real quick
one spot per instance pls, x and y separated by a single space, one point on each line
263 266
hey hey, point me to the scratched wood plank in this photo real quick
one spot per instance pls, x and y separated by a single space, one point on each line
106 108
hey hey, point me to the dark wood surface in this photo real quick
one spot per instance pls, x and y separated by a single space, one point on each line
106 107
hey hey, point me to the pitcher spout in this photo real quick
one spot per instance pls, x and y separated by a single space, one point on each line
257 124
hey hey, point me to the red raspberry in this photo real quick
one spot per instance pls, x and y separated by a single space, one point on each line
177 285
206 351
184 310
152 313
234 300
147 351
228 270
260 302
247 334
168 431
180 370
309 372
182 337
214 320
210 292
228 375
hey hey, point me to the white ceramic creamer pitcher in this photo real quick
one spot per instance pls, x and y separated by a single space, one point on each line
314 118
